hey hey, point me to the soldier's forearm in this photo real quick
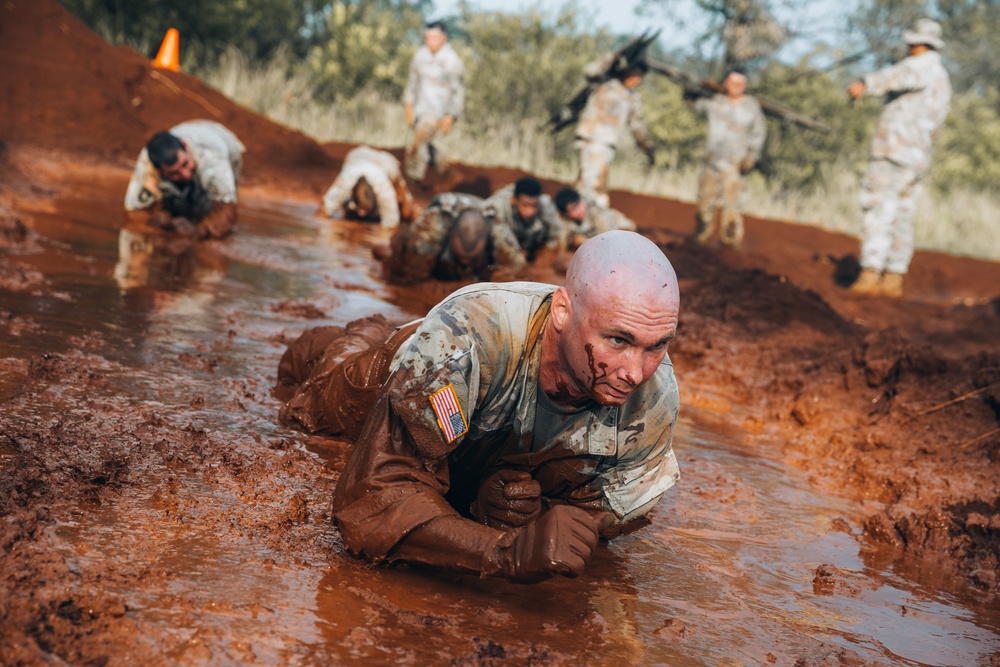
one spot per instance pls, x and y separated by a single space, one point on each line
448 543
219 222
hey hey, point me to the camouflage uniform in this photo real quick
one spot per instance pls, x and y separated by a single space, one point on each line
218 154
597 221
481 347
918 91
435 89
736 134
610 109
422 250
545 230
381 171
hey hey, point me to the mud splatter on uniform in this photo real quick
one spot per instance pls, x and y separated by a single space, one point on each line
481 347
546 229
381 171
918 93
422 250
610 109
435 89
218 154
736 134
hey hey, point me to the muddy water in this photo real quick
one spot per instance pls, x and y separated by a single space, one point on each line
723 576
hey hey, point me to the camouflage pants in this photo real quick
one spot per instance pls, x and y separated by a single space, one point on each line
420 153
720 189
889 197
592 179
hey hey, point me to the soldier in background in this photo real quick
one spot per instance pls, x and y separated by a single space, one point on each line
736 133
433 99
529 214
185 180
611 108
371 186
918 92
585 219
452 239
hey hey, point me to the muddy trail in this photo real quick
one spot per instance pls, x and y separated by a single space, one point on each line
839 456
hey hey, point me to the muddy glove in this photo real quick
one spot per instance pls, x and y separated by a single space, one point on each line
508 499
560 542
183 226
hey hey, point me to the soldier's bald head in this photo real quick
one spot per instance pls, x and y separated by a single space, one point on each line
620 265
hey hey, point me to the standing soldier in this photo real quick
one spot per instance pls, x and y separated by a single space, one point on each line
433 99
736 133
528 213
370 185
918 92
611 108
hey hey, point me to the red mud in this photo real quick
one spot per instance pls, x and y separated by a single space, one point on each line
887 402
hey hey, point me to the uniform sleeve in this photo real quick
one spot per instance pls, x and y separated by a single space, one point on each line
339 192
138 196
637 123
215 171
902 76
457 103
757 133
398 474
388 205
423 245
410 92
556 232
506 250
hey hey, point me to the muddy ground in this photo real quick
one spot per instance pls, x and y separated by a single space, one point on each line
129 471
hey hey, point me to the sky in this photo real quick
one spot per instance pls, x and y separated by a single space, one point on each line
817 20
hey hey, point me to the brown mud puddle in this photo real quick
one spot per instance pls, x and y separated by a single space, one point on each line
154 512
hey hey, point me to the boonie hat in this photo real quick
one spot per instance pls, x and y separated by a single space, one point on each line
925 31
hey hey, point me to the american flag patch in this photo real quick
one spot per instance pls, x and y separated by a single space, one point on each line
449 413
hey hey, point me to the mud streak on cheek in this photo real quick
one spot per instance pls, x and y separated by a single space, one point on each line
594 376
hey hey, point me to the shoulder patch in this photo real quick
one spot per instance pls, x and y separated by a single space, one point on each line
449 413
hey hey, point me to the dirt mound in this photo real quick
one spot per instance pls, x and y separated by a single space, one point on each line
63 87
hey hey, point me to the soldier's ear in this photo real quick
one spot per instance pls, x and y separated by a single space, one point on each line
562 309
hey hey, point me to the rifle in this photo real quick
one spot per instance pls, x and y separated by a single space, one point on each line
706 88
609 67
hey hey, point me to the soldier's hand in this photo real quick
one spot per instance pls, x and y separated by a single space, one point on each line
856 90
561 541
747 164
161 219
183 226
408 113
446 124
508 499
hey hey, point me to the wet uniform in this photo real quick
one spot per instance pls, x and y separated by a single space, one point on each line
610 109
918 93
546 229
381 170
736 134
219 157
462 400
422 250
435 89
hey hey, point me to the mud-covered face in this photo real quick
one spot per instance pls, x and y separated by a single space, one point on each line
527 207
182 170
611 347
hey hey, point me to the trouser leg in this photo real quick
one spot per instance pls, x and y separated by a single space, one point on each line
732 207
901 243
879 203
709 189
418 153
592 178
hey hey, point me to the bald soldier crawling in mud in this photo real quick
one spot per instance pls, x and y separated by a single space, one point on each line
513 426
185 180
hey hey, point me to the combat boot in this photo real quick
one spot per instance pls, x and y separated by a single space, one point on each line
892 285
869 283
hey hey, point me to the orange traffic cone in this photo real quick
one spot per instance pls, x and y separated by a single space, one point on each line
169 57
